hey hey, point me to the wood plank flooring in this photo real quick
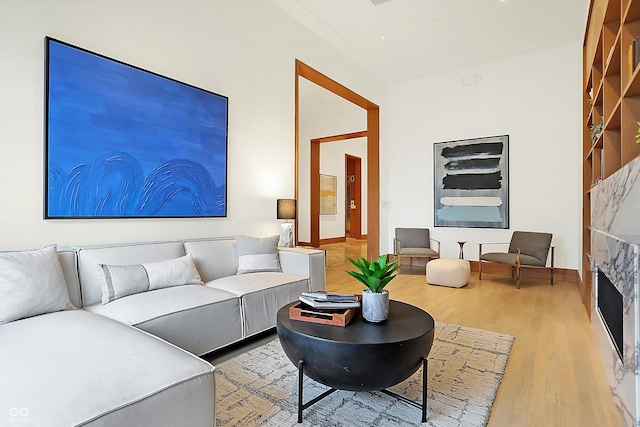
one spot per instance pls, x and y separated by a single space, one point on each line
555 375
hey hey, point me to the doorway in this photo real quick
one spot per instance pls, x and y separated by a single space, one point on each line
314 184
373 150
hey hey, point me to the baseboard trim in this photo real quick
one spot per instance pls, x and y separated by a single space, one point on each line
333 240
325 241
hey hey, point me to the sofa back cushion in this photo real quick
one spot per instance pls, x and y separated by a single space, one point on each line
90 258
31 283
69 264
214 258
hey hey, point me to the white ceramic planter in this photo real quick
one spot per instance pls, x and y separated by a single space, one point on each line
375 307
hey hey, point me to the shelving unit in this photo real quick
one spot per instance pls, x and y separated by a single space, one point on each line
611 96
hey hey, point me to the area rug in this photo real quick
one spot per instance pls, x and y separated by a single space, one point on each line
259 387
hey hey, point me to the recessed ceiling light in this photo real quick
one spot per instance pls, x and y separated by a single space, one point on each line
383 37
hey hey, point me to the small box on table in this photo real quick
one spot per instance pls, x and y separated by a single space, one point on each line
336 317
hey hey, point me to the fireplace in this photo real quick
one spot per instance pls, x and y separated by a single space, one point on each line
609 302
615 295
615 265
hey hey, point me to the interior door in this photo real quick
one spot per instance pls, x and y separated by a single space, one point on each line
353 197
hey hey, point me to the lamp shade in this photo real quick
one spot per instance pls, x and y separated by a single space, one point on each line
286 209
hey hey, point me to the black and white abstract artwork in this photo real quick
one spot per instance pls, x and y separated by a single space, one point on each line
472 183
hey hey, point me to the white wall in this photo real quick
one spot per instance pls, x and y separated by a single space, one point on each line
246 51
241 49
535 99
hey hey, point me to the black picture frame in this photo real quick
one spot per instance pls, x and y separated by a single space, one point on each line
124 142
471 179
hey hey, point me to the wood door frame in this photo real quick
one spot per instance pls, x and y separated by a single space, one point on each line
314 180
373 150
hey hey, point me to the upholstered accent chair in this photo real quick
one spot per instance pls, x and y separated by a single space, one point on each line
414 243
526 249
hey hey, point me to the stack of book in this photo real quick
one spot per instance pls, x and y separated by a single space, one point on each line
330 300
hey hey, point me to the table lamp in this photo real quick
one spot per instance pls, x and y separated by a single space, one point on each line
286 210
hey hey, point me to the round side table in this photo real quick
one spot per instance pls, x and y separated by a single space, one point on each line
461 255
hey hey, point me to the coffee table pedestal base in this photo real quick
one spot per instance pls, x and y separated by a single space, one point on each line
302 406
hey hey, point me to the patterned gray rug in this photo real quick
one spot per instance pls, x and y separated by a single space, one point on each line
259 388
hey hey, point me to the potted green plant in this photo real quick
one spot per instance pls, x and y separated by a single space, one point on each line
375 275
638 135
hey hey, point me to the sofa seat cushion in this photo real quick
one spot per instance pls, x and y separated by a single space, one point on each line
254 282
76 368
262 295
180 315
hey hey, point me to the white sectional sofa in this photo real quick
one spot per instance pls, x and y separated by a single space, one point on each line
132 360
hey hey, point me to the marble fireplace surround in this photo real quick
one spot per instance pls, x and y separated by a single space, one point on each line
615 250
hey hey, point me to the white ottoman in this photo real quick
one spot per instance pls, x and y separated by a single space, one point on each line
450 272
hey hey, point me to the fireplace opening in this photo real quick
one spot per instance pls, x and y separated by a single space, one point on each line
610 308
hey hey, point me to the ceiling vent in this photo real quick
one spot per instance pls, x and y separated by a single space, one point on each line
379 2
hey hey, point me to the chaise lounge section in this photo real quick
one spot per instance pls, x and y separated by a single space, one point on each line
75 368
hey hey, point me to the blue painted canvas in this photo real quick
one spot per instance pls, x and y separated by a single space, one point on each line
123 142
472 183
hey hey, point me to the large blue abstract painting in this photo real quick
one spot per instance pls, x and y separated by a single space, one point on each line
122 142
472 183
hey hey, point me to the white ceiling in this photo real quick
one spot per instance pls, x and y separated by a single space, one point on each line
402 39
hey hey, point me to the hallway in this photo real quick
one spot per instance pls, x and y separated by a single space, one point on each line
337 253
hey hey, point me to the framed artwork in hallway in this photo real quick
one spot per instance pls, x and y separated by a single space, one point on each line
328 194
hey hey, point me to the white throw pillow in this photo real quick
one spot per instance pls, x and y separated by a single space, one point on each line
175 272
31 283
118 281
257 254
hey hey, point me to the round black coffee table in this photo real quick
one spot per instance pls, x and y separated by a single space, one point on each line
361 356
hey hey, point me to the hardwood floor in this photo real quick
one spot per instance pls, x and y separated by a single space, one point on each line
554 376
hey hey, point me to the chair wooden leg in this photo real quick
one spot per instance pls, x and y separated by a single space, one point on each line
479 269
